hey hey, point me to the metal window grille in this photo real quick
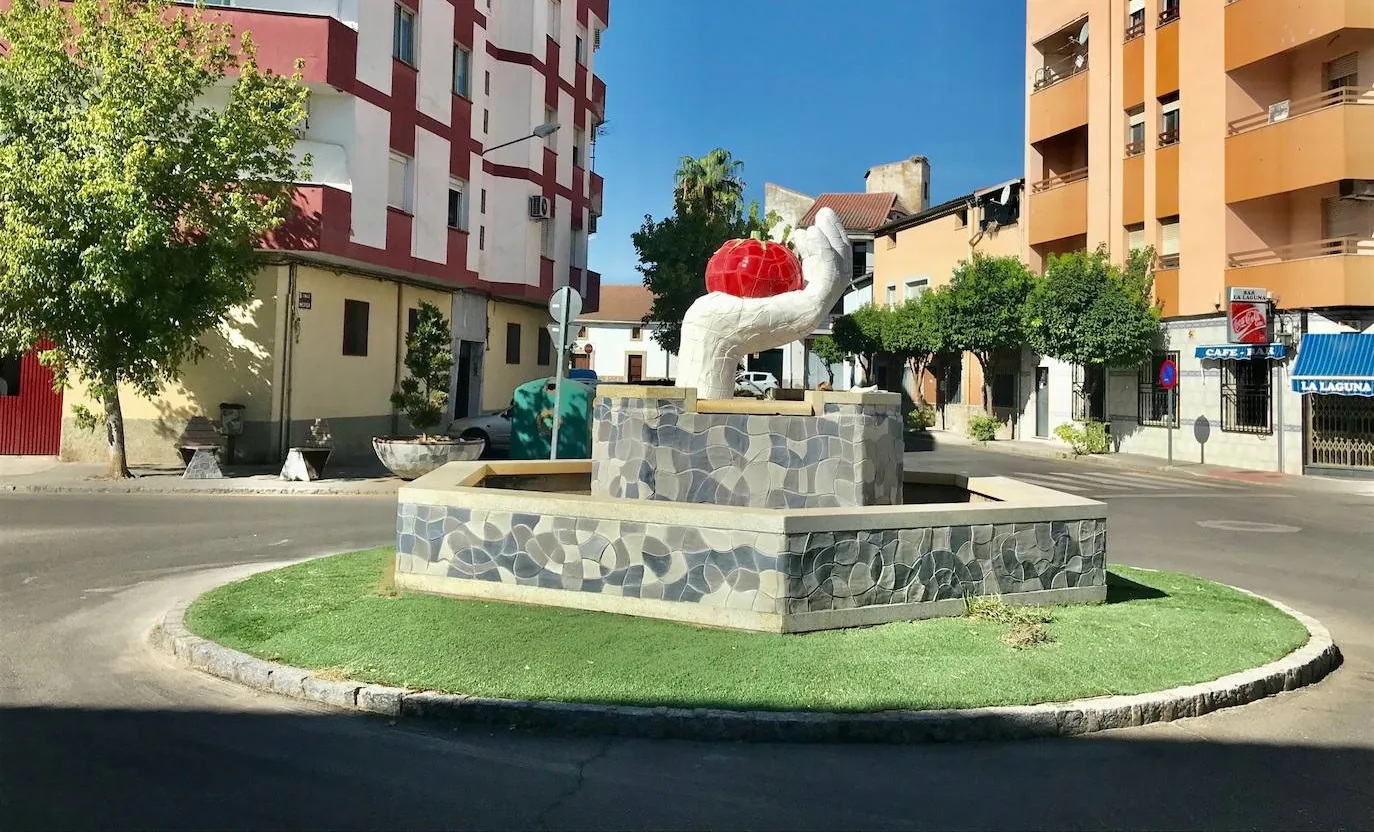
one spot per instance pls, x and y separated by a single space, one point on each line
1090 393
1246 396
1152 405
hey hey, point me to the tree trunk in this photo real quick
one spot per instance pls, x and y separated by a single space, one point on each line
983 364
114 428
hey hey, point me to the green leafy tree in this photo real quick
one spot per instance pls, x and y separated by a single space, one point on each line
985 311
860 334
711 183
673 253
917 332
828 351
129 209
1086 311
423 396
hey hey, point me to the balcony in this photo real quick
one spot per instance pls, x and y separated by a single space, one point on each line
1259 29
1059 207
599 97
1166 286
1059 101
595 187
1312 141
1166 59
1320 273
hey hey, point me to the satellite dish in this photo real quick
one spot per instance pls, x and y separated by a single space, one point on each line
1005 198
1083 34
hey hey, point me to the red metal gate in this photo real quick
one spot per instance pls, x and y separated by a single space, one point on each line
30 411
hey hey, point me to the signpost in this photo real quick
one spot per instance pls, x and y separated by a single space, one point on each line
564 307
1168 379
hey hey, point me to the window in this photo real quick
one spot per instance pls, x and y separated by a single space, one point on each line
486 120
581 48
1135 131
1090 393
462 72
891 241
1169 121
551 140
925 193
637 334
545 348
961 218
1168 246
412 321
916 287
891 295
482 207
1135 236
403 35
355 327
1135 19
1152 406
399 186
486 83
481 238
555 20
582 333
1343 72
1168 11
1004 390
457 204
512 343
579 153
9 375
1245 396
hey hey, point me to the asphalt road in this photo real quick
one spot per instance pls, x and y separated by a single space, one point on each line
97 732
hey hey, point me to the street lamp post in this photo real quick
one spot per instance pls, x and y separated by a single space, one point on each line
543 131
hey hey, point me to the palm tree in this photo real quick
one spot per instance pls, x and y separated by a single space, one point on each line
711 182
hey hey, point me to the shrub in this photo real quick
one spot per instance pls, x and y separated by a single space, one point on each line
1088 438
921 418
423 394
983 428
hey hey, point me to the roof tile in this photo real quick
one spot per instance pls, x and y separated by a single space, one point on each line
857 212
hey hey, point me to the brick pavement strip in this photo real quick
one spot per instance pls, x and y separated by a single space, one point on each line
1304 666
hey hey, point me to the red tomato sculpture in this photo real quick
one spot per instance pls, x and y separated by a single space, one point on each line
753 268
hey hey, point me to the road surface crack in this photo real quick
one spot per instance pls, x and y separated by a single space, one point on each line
580 777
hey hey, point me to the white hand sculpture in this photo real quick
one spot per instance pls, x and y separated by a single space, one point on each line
720 329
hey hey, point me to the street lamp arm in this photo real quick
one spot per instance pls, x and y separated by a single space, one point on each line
540 132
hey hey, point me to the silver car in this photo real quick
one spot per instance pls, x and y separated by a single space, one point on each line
754 383
492 427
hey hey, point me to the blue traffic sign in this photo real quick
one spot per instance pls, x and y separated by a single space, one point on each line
1168 374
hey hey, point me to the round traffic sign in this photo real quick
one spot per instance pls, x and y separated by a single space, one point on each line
1168 374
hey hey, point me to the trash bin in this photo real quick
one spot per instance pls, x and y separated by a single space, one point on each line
532 420
231 418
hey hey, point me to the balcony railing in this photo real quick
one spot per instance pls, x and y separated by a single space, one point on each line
1062 70
1169 137
1301 107
1169 14
1168 261
1332 247
1134 148
1059 181
1134 28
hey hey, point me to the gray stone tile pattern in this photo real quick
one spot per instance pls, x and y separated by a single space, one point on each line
749 570
651 449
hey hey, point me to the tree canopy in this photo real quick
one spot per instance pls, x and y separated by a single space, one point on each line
134 186
830 353
985 310
918 331
711 183
1087 311
860 334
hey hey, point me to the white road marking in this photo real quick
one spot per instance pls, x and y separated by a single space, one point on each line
1248 526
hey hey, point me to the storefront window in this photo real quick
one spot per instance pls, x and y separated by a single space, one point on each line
1153 402
1246 395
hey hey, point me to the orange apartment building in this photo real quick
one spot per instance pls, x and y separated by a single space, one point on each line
1237 137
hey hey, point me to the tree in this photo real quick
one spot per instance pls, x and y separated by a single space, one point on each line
1086 311
986 302
918 331
830 353
673 253
711 183
860 334
129 209
423 395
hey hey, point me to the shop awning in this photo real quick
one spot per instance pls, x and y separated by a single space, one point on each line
1339 364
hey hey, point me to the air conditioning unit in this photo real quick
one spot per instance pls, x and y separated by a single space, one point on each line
540 207
596 39
591 223
1357 189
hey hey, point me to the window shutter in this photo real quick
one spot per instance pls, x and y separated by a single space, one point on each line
1346 218
1346 65
1172 106
1135 238
1137 118
396 183
1135 7
1169 243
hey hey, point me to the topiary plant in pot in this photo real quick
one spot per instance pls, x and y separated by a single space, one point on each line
423 398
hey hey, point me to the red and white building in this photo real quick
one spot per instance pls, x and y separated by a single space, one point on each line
406 95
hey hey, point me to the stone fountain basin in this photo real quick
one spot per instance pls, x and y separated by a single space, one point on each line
530 532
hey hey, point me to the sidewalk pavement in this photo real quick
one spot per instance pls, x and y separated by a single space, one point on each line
1045 449
50 475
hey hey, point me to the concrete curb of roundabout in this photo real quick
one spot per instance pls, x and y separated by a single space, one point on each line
1304 666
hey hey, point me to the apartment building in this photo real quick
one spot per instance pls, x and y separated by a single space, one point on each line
1234 136
452 146
917 253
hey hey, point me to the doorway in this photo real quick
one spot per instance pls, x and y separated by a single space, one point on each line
1042 402
634 367
468 380
581 361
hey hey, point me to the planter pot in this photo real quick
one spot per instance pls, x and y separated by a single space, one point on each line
409 458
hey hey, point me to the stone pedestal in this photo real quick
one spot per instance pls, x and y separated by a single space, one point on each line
834 449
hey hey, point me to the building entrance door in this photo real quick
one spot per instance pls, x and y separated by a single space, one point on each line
1042 402
1341 433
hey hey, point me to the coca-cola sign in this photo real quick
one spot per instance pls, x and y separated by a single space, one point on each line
1248 322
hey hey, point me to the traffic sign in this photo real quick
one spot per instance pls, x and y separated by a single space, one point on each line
1168 374
565 305
556 330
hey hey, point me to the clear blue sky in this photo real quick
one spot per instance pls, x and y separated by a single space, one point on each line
808 94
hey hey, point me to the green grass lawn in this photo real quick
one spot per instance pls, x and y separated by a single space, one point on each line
1158 630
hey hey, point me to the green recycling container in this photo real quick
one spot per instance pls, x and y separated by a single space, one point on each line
531 421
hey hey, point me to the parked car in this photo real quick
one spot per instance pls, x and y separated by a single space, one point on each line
492 427
753 383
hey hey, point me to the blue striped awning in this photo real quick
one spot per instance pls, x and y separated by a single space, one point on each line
1339 364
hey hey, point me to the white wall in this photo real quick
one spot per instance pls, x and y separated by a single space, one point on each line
375 19
434 86
368 168
429 232
611 343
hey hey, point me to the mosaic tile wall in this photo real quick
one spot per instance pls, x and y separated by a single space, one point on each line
653 449
747 570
